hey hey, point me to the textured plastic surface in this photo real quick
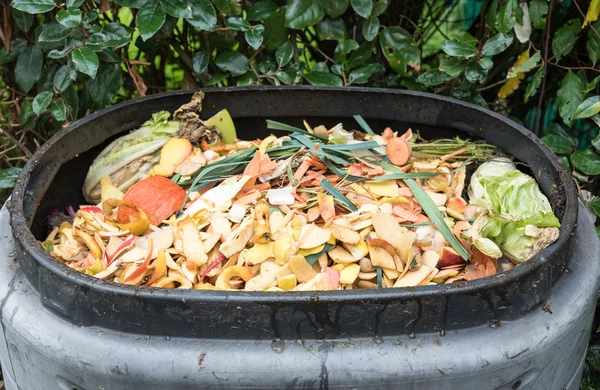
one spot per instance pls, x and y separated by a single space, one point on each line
54 176
542 350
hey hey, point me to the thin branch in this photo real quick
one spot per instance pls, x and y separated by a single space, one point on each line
582 14
16 142
536 128
491 86
575 67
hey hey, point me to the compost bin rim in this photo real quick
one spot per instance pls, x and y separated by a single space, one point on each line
25 237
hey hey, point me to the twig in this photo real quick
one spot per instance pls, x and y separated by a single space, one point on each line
16 142
255 73
582 14
295 46
536 128
491 86
574 67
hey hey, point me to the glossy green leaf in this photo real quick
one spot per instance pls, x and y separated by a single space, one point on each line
130 3
237 23
343 49
276 34
320 67
596 142
102 90
399 49
57 54
261 10
361 55
200 62
204 15
228 7
538 10
42 101
535 83
254 37
58 110
29 67
433 77
589 107
85 61
64 77
33 6
370 28
8 177
331 29
361 75
526 66
177 8
379 7
506 16
594 204
593 43
497 44
303 13
284 77
217 77
558 144
337 69
54 32
335 8
233 62
453 66
565 37
150 19
323 79
459 49
284 54
23 20
362 7
586 161
69 18
569 95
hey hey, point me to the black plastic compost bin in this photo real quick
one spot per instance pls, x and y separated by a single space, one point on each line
54 176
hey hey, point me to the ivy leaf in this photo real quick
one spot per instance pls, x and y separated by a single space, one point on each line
228 7
535 83
233 62
526 66
254 37
200 62
570 96
361 75
58 110
102 90
63 77
433 77
323 79
586 161
399 49
538 9
361 55
284 54
565 38
474 72
506 17
362 7
453 66
497 44
331 29
237 23
370 28
54 33
335 8
589 108
177 8
69 18
261 10
303 13
150 19
8 177
33 6
593 43
29 67
343 49
559 144
204 15
85 61
276 34
459 49
42 101
592 12
23 20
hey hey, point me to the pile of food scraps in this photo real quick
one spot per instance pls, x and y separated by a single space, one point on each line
183 203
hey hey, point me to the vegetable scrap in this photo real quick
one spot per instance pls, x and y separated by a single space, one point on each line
184 203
